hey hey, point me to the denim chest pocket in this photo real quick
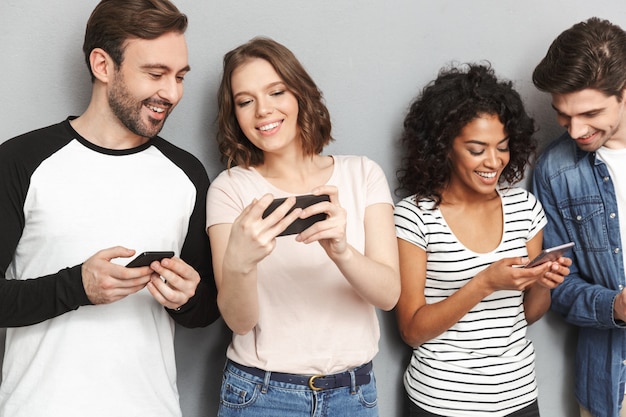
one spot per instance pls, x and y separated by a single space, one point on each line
585 222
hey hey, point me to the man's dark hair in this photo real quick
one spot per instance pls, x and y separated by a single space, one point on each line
590 54
113 22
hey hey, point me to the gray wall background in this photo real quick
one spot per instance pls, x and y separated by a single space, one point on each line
370 57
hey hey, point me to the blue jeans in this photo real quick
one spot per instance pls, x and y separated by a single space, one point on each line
243 394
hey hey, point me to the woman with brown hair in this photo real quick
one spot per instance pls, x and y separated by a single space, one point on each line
302 308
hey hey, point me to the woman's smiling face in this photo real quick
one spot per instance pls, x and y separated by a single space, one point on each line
479 154
266 110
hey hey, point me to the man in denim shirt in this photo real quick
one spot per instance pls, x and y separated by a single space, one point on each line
581 181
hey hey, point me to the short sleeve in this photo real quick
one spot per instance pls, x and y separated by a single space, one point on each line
410 224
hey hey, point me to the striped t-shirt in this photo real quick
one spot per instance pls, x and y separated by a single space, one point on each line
484 363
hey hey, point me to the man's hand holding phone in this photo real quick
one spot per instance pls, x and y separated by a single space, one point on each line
106 282
178 285
173 281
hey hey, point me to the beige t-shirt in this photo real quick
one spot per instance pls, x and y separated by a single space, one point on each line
311 321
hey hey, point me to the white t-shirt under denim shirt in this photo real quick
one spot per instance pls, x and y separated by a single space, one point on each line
615 160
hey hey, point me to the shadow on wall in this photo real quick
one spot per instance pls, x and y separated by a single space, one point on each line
389 366
200 358
555 347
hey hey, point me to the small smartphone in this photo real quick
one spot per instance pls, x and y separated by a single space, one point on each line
146 258
302 201
550 254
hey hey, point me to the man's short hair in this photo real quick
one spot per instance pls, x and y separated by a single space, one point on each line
113 22
590 54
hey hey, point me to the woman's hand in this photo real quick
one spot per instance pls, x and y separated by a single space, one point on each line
374 274
253 237
237 248
555 275
507 274
537 296
330 233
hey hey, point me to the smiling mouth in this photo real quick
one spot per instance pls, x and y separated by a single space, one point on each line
586 137
158 107
269 126
155 109
487 175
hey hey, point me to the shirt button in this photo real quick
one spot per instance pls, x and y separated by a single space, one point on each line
606 179
620 286
579 217
612 215
616 250
623 362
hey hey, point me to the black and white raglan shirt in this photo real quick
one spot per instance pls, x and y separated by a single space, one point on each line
62 199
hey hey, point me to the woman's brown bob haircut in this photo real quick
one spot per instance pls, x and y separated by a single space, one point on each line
313 116
113 22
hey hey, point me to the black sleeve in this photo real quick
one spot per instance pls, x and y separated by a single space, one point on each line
201 310
28 301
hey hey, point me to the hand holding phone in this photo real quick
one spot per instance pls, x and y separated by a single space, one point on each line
302 201
146 258
550 254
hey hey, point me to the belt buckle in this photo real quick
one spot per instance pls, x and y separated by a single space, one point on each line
312 382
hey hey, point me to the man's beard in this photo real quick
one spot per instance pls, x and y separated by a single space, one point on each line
128 111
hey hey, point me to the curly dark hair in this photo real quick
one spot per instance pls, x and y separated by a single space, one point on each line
313 116
590 54
437 116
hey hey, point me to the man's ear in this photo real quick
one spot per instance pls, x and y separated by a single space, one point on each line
102 65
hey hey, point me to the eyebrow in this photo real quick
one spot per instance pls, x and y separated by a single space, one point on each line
585 112
477 142
267 87
164 67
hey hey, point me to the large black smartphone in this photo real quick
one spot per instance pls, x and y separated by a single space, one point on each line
550 254
146 258
302 201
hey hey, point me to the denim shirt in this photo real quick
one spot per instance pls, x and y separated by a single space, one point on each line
579 200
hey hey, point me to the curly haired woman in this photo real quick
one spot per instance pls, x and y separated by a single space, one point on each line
462 235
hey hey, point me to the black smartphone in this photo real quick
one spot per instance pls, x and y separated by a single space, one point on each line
302 201
146 258
550 254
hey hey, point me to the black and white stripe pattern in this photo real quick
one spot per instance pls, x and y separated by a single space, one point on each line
484 363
